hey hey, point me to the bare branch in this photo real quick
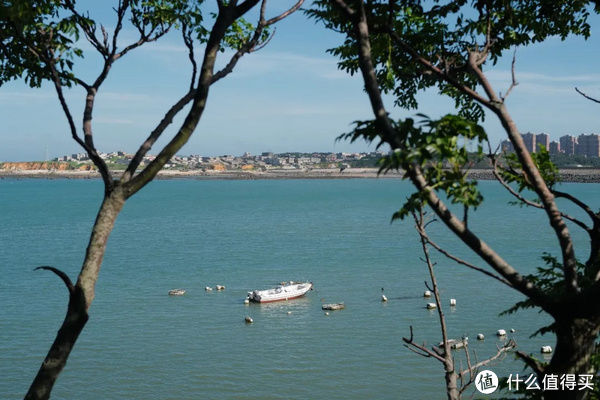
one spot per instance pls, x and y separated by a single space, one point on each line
254 43
121 10
412 345
91 151
143 39
463 262
177 107
65 278
285 14
530 203
511 344
594 216
481 248
88 30
419 221
586 96
155 134
189 43
514 79
224 19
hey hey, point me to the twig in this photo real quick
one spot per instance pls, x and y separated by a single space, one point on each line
411 345
514 79
461 261
586 96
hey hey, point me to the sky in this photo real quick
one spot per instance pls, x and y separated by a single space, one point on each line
287 97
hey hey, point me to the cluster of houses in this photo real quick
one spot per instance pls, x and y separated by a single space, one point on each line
246 161
582 145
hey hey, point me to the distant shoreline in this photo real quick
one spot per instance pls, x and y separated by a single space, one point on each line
567 175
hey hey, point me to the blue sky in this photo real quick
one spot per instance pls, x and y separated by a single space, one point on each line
287 97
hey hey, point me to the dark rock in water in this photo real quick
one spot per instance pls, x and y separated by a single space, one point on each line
333 306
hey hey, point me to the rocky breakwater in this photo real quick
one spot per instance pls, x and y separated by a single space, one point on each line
578 175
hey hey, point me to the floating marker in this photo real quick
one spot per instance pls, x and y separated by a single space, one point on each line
480 336
512 330
501 332
246 301
248 319
208 289
452 302
220 287
431 306
427 293
383 298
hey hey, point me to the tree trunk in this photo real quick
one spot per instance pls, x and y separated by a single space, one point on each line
451 382
575 345
80 298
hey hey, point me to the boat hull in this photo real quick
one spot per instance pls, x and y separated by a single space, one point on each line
280 293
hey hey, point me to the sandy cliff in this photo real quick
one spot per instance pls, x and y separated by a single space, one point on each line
44 166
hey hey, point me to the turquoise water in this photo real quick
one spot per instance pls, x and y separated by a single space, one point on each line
142 344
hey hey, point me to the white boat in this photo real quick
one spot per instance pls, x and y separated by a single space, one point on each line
285 291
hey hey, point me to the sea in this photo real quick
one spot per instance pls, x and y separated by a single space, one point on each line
141 343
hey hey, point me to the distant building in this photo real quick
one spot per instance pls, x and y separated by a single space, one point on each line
567 144
542 139
529 139
588 145
554 147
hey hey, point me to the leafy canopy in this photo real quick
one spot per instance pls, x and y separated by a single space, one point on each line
37 33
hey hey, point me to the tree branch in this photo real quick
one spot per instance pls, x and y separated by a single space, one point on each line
65 278
594 216
471 369
85 144
586 96
529 202
437 71
411 345
189 96
388 134
481 248
514 79
420 226
498 107
88 29
463 262
534 364
224 19
155 134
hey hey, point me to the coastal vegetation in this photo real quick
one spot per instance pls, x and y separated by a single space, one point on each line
401 49
39 42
